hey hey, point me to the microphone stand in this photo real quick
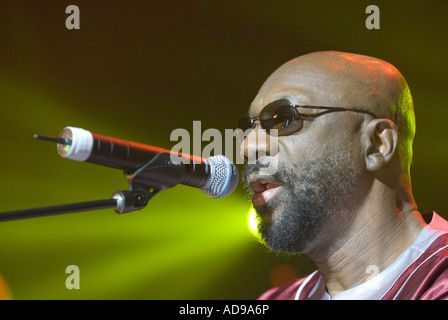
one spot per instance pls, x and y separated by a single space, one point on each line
144 183
121 202
60 209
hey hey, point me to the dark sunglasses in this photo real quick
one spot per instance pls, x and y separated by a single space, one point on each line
282 115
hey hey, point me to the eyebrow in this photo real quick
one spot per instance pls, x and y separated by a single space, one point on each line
293 99
328 108
296 99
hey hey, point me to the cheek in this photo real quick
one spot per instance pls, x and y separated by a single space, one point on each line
322 141
295 152
341 136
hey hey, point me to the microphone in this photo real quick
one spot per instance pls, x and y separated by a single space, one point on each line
148 166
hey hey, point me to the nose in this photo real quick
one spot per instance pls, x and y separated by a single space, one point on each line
258 144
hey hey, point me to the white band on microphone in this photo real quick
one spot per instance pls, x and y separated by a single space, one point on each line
81 147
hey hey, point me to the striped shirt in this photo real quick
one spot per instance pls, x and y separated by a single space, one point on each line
419 273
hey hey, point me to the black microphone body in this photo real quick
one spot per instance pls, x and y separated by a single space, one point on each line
130 157
150 166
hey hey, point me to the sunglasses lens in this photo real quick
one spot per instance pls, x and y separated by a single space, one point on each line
279 115
282 117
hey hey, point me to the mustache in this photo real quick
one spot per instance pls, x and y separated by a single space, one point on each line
258 168
250 168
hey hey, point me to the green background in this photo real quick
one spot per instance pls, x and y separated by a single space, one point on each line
137 70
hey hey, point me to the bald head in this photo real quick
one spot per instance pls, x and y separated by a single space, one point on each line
345 79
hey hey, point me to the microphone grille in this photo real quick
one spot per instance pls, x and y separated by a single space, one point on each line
223 177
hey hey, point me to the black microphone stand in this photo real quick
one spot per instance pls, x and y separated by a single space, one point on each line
60 209
156 175
121 202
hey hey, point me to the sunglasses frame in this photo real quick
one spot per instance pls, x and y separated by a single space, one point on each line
251 123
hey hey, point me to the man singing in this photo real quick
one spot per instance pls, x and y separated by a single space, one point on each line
341 188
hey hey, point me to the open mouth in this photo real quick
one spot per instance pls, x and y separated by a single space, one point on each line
264 190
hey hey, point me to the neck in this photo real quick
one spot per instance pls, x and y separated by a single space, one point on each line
374 238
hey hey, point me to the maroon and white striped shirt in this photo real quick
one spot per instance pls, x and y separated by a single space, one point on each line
419 273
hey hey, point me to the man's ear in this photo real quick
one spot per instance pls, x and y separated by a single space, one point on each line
380 143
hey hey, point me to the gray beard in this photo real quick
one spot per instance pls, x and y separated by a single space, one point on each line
305 203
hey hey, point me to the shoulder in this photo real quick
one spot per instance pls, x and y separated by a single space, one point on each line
435 271
285 292
427 277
